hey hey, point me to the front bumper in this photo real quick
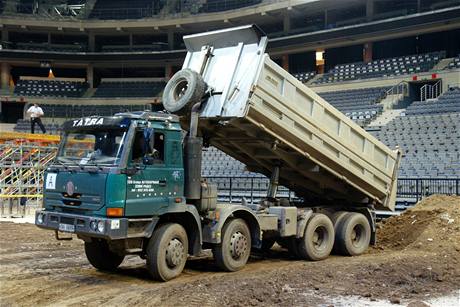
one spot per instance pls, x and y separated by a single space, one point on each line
114 228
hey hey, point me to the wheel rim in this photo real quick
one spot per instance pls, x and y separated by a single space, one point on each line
180 89
238 245
174 253
320 237
357 235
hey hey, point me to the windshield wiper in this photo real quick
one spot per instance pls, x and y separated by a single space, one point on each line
73 163
61 163
93 162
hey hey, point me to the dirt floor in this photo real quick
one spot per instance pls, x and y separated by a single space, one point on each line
417 259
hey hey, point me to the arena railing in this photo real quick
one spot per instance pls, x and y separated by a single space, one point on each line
179 8
234 188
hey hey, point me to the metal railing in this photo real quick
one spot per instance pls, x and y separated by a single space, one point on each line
153 10
402 88
417 188
430 91
233 189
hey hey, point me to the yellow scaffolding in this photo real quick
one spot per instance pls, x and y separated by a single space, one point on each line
23 160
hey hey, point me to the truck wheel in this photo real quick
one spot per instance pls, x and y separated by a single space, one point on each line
293 247
101 257
291 244
267 244
167 252
336 219
233 252
183 90
318 238
353 234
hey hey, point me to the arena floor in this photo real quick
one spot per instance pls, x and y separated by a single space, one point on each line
416 261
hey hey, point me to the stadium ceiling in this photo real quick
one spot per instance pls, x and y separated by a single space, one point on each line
261 14
415 24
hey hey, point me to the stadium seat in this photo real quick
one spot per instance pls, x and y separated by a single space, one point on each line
361 105
382 68
129 89
50 88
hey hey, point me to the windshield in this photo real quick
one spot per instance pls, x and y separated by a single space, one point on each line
92 147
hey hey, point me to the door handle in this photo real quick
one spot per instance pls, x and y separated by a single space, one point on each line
162 183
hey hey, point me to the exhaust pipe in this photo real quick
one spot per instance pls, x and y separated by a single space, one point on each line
192 157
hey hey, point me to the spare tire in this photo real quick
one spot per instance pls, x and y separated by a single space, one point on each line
182 91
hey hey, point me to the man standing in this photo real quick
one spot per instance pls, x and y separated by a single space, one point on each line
35 113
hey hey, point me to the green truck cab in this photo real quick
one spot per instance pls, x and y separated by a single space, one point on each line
118 184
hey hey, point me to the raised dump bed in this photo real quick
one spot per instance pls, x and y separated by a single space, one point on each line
261 115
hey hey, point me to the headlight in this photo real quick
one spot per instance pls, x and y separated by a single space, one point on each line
100 226
40 218
93 225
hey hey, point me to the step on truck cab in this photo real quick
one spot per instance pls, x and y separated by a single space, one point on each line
131 183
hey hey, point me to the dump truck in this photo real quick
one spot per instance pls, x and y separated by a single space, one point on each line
131 183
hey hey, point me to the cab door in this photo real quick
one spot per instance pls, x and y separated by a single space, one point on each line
148 188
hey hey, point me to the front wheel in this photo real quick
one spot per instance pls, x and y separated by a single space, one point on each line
101 257
233 252
167 252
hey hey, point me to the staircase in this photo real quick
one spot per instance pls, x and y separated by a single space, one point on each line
312 80
89 92
442 64
386 117
391 100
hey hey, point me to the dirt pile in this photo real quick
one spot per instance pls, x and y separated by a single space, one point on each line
417 258
433 225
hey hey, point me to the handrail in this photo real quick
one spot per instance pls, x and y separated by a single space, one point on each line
400 88
431 91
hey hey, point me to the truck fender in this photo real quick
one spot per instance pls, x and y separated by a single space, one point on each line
302 222
369 213
212 230
189 218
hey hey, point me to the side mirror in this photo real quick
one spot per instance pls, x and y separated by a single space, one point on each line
147 160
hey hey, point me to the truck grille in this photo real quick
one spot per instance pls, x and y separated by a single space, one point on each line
67 220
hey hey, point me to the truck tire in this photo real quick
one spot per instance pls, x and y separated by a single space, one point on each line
283 242
291 244
101 257
336 219
318 238
234 250
338 216
167 252
293 247
184 89
353 234
267 244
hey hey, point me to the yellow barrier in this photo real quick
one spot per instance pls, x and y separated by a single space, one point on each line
29 136
21 195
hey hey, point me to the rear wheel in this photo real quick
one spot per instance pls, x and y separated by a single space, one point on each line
267 244
353 234
167 252
101 257
233 252
336 219
318 238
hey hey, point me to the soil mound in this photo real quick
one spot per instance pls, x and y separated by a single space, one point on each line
433 224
